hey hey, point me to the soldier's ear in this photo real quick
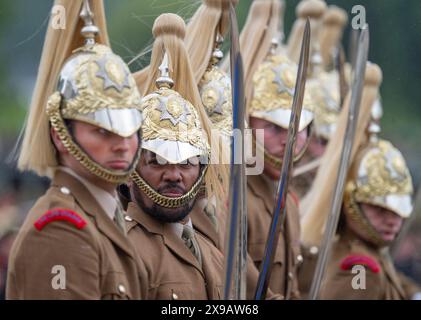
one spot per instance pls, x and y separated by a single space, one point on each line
57 142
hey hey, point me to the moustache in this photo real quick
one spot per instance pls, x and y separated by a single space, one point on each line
171 187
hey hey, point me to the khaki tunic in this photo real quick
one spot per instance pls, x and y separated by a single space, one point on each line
386 284
174 272
302 183
99 261
203 224
306 269
260 202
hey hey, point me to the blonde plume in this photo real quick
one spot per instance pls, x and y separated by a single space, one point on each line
256 38
334 22
211 18
312 9
37 152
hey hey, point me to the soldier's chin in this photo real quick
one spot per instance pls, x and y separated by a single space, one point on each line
271 172
169 215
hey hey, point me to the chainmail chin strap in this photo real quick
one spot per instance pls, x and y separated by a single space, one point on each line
277 162
354 212
168 202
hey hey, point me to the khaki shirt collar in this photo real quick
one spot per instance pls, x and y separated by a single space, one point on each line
177 227
106 200
263 188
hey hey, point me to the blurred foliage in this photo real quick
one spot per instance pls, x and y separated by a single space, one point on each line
395 29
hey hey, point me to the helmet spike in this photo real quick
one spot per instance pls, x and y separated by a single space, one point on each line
164 81
89 31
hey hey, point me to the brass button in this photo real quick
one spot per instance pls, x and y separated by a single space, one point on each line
64 190
121 288
174 296
300 259
128 218
314 250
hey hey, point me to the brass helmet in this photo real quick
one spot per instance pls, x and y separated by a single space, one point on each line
325 84
215 92
172 129
273 94
379 176
95 86
325 93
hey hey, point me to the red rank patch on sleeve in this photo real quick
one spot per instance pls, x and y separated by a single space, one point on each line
60 215
366 261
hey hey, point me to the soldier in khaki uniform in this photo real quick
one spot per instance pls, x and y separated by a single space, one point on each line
73 243
377 198
316 205
269 96
376 201
323 82
182 262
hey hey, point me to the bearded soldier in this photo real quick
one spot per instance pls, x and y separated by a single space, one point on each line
323 84
73 243
181 261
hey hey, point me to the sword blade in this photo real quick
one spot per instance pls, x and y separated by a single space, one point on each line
340 67
353 46
279 210
332 222
236 233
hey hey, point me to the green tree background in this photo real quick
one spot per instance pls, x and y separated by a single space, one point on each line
395 28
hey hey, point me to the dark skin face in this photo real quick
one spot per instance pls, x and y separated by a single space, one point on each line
275 140
170 180
384 221
109 150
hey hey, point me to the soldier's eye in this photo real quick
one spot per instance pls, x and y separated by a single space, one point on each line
270 126
152 161
102 131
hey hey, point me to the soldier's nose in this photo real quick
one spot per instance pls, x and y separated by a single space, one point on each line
121 144
172 173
